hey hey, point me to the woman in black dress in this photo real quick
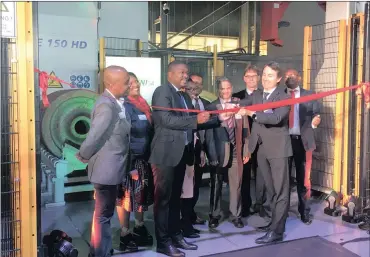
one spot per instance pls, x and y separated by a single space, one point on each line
136 194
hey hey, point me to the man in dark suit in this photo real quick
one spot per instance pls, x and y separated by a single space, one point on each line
270 132
171 150
106 150
303 119
251 78
227 148
189 217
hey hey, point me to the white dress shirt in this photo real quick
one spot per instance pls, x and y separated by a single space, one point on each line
120 101
296 130
269 92
201 105
249 92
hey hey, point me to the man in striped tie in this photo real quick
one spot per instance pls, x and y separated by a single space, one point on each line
226 154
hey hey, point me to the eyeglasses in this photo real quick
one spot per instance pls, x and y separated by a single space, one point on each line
251 77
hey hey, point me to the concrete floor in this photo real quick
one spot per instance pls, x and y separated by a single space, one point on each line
75 220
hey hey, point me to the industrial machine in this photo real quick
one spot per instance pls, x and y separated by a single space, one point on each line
65 124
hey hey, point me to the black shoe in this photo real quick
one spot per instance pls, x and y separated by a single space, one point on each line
213 222
270 237
196 230
184 245
238 223
263 229
306 219
127 243
190 234
142 236
170 250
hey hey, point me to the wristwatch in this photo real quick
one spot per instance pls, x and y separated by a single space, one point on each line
254 116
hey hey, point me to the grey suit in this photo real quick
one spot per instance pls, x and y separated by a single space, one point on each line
106 147
270 132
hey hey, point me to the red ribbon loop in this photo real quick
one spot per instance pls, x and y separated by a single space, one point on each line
43 84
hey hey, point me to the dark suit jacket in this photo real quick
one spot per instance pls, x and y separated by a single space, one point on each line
168 143
241 94
218 142
307 111
272 128
200 145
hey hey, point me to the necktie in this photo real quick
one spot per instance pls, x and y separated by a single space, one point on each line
197 106
292 109
199 134
265 95
230 129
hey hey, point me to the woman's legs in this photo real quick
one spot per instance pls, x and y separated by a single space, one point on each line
127 242
141 234
124 220
139 219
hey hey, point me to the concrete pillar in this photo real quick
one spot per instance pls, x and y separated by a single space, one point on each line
342 10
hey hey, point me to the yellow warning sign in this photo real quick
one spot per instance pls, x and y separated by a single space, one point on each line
4 8
53 83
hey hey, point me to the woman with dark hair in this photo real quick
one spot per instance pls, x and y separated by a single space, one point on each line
136 193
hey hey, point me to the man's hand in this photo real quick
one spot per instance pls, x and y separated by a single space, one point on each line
225 116
245 112
246 159
78 156
203 117
134 175
316 121
202 159
365 91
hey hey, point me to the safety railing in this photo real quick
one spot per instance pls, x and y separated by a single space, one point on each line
18 162
324 69
334 58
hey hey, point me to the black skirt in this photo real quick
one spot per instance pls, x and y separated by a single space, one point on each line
137 195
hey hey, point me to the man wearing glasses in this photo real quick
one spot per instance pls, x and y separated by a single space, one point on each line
251 78
189 217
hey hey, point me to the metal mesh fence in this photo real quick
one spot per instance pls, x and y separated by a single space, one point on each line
10 234
364 176
323 77
121 47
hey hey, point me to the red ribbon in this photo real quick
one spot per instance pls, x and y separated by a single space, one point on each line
277 104
43 84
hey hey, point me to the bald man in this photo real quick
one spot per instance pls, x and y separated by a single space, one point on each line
303 119
106 151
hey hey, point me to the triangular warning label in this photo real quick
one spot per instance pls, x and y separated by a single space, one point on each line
4 8
54 83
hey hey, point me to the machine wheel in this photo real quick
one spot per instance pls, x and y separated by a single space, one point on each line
67 119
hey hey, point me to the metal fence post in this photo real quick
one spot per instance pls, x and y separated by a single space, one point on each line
101 64
26 114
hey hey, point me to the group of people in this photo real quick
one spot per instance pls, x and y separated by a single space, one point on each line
138 156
